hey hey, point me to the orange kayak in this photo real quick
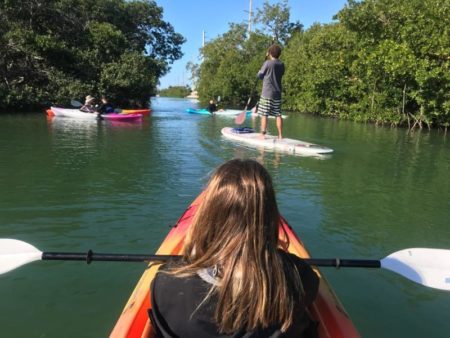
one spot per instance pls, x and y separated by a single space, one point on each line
144 112
134 322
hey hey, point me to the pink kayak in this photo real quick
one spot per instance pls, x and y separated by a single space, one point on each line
122 117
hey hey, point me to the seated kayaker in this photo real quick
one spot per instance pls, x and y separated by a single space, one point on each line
105 107
89 105
235 278
212 107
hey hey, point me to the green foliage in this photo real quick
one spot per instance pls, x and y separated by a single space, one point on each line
175 91
55 50
112 42
194 70
275 21
317 78
404 58
132 76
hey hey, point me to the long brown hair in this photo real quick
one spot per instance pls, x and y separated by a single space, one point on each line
236 229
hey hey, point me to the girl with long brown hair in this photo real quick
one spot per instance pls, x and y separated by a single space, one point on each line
235 278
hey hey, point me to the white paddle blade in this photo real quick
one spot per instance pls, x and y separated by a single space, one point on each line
429 267
15 253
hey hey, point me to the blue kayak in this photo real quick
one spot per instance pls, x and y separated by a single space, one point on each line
198 111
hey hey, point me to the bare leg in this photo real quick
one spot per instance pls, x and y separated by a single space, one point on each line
263 125
280 127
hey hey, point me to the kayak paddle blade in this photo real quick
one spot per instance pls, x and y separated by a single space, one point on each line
75 103
429 267
15 253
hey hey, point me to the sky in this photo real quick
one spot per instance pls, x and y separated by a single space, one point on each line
191 17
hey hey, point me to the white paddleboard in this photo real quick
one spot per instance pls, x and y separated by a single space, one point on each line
272 142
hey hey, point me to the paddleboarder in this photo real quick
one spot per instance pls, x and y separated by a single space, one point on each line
212 107
105 106
269 103
89 105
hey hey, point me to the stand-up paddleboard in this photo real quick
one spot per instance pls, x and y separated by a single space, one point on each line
251 137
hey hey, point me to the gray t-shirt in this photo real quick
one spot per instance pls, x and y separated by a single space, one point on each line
271 73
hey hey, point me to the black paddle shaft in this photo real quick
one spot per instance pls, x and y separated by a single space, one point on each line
91 256
251 94
347 263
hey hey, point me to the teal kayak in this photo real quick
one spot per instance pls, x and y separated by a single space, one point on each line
198 111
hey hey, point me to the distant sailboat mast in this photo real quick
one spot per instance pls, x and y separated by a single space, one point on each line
250 18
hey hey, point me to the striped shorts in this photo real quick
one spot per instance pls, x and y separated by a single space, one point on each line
268 107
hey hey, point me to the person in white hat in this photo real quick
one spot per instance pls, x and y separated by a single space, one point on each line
89 105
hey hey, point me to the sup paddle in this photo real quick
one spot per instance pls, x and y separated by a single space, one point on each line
428 267
240 118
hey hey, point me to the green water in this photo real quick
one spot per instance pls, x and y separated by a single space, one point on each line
76 185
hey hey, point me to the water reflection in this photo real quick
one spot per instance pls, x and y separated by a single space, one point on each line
75 130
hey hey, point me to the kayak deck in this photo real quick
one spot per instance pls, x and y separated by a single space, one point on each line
122 117
144 112
73 113
272 142
134 322
198 111
76 113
